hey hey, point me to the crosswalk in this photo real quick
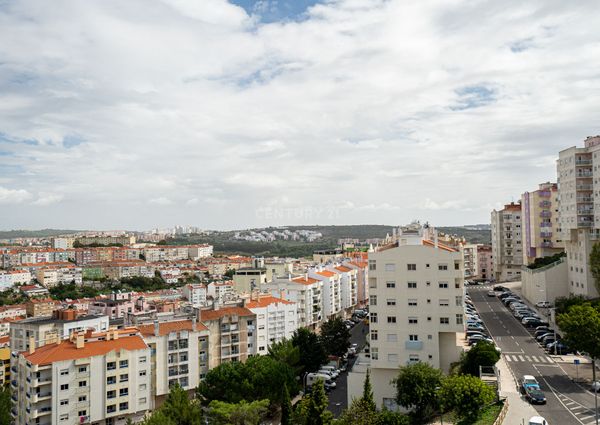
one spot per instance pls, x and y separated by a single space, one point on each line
583 414
528 359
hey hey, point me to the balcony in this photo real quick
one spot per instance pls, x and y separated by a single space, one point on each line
546 214
584 200
544 193
413 345
545 204
547 244
585 223
583 161
585 211
545 224
584 174
546 234
587 187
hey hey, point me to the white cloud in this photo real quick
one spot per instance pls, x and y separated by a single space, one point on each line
403 109
193 201
13 196
46 199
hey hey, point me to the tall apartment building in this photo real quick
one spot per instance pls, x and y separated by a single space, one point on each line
101 378
332 292
541 234
485 262
306 293
416 308
578 170
470 261
276 319
507 247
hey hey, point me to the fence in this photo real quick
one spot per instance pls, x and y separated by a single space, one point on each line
500 419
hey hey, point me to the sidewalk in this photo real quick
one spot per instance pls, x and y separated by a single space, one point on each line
518 409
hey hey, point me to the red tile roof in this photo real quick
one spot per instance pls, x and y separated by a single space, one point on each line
305 281
208 315
440 246
326 273
266 301
343 269
165 328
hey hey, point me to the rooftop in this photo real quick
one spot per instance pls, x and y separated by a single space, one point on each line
264 301
208 315
165 328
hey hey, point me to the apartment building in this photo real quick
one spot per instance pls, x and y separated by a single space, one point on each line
40 307
105 240
127 268
63 274
115 306
11 278
485 262
179 355
348 286
332 293
470 263
62 243
276 319
578 170
196 294
221 291
416 309
362 276
278 267
541 233
507 247
101 378
246 280
232 331
307 295
173 253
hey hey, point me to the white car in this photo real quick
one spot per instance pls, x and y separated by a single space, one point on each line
596 386
543 304
537 420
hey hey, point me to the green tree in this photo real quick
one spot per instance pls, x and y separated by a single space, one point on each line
158 418
465 394
242 413
226 382
367 396
581 329
416 389
180 409
387 417
286 406
335 337
311 348
317 409
229 273
285 352
595 265
481 354
359 413
5 405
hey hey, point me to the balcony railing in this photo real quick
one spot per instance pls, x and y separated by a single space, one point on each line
584 174
584 200
583 162
544 193
545 204
546 214
584 187
546 234
547 244
413 345
585 223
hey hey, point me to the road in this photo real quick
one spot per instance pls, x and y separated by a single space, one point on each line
567 402
338 398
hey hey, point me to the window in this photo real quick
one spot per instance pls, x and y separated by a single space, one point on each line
412 302
111 366
123 392
142 387
413 320
111 409
392 338
411 267
390 267
64 417
82 369
373 318
374 335
443 285
391 301
142 400
442 267
373 300
391 319
82 384
142 373
459 319
123 364
390 284
393 358
374 353
429 336
111 380
82 413
82 398
456 265
444 320
111 394
123 406
444 302
64 372
64 387
64 402
459 300
124 378
427 265
372 265
413 337
412 285
413 358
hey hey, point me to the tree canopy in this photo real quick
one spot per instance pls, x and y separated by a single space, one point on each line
416 389
335 337
242 413
581 329
311 348
595 265
481 354
465 395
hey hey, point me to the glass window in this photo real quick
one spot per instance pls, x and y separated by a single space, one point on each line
390 284
411 267
64 402
391 301
392 338
413 337
412 285
373 335
413 320
444 320
391 319
123 364
111 366
64 387
412 302
390 267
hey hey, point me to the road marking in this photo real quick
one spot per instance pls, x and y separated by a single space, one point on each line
512 337
521 358
528 358
542 359
517 344
535 359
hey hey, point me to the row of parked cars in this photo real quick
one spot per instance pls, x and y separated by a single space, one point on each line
327 373
475 329
549 339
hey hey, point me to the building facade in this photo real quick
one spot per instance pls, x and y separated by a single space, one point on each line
507 247
276 319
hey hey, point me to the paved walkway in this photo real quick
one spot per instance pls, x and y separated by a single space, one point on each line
519 410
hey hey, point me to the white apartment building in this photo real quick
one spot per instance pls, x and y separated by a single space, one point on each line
332 293
101 378
307 295
221 291
179 354
195 293
470 263
195 252
578 171
416 309
348 285
10 278
276 319
507 246
53 276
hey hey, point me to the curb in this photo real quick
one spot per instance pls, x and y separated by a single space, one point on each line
500 419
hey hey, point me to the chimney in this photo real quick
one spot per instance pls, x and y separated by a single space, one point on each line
282 294
79 340
199 315
156 328
435 238
31 344
115 332
194 324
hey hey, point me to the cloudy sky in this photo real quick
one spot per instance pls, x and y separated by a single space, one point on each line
150 113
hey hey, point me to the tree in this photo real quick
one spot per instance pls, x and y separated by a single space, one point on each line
335 337
229 273
387 417
368 393
285 352
5 405
286 406
581 328
317 409
465 394
363 410
595 265
481 354
242 413
180 409
158 418
416 389
309 345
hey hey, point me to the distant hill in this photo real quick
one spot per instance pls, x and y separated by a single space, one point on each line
483 236
44 233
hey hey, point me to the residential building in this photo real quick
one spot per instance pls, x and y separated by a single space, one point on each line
53 276
40 307
115 306
332 292
348 286
127 268
105 240
278 267
541 233
62 243
416 308
578 199
327 255
11 278
470 261
4 364
485 262
100 378
507 247
196 294
276 319
34 291
221 291
232 329
307 295
246 280
362 276
179 355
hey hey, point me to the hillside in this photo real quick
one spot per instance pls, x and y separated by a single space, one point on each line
44 233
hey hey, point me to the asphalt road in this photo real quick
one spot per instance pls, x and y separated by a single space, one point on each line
338 397
567 402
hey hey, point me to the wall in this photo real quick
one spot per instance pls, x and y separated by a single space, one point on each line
546 283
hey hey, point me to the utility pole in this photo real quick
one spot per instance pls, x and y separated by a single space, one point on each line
595 389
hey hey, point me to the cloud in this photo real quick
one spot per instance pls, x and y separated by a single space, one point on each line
13 196
431 109
46 199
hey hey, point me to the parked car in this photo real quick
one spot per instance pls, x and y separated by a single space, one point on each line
558 348
476 338
506 294
595 386
537 420
535 395
528 381
543 330
548 339
541 337
474 333
491 293
543 327
532 322
543 304
311 378
499 288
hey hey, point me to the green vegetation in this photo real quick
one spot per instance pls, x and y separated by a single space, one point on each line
335 337
416 389
44 233
285 352
242 413
312 409
581 328
5 405
313 353
595 265
465 395
10 296
481 354
78 244
544 261
487 415
177 409
72 291
564 304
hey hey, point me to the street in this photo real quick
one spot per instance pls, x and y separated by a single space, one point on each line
567 402
338 397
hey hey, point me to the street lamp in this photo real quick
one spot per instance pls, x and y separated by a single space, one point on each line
437 393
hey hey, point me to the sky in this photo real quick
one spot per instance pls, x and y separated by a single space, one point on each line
228 115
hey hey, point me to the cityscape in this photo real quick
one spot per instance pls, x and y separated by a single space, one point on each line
307 212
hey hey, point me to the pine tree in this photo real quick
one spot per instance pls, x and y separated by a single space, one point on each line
317 410
367 396
286 406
